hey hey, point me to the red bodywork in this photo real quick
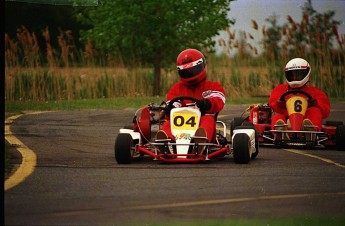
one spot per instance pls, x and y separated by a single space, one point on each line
150 116
257 115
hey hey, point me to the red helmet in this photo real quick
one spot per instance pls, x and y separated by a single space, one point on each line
191 66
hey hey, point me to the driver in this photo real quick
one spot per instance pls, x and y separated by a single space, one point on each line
297 74
192 70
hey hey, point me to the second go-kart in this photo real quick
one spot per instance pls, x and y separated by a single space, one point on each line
138 140
293 133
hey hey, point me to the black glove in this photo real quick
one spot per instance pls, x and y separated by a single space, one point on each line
167 109
204 105
281 104
312 103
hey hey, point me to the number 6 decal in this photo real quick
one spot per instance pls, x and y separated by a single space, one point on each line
298 106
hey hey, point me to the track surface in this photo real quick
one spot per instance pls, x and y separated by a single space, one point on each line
76 180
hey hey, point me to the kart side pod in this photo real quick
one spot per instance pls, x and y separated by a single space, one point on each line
243 145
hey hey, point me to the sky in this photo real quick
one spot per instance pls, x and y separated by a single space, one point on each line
246 10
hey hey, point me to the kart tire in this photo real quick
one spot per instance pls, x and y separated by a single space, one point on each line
340 138
237 121
124 148
334 123
249 125
241 148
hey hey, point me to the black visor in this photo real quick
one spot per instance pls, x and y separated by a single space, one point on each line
296 75
192 71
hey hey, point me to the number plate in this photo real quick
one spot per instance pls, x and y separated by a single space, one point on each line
297 104
185 121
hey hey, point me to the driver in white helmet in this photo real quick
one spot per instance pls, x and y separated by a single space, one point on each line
297 74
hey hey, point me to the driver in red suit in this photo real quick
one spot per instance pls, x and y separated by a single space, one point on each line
297 74
191 67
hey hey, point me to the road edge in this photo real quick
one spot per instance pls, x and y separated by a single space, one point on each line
29 159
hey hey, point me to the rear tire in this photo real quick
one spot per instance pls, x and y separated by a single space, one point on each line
241 148
334 123
124 148
340 138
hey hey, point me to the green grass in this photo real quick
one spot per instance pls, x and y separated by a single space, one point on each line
276 221
103 103
110 103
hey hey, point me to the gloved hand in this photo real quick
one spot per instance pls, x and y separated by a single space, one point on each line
168 107
281 104
167 110
203 104
312 103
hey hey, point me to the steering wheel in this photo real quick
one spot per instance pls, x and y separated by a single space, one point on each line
179 98
176 99
296 91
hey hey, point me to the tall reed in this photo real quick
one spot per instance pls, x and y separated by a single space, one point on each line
40 73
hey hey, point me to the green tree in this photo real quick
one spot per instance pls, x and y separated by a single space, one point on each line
153 32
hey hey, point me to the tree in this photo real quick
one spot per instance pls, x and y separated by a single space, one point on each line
152 32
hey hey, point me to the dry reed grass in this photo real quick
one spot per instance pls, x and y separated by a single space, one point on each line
44 73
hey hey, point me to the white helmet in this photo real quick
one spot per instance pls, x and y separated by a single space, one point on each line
297 72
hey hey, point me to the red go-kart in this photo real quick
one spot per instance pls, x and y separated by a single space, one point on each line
135 141
332 133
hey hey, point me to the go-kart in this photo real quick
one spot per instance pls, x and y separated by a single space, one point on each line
133 142
332 133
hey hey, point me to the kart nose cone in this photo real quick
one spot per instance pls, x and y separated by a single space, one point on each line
296 120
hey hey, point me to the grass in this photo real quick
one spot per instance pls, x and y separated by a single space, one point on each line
276 221
103 103
112 103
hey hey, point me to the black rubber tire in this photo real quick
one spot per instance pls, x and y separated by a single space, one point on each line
340 138
124 148
334 123
241 146
237 121
249 125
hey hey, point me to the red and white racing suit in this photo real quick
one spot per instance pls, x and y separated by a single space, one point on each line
213 91
315 112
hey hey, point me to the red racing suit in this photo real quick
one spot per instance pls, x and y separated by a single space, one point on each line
213 91
316 111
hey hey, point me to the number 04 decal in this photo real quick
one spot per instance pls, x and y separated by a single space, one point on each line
184 121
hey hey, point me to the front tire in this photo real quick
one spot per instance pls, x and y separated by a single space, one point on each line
124 148
237 121
241 148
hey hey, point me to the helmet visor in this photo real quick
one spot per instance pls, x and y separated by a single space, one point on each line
296 75
191 69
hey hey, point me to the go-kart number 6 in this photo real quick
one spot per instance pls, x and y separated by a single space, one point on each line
184 121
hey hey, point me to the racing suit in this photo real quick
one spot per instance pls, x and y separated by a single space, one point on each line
317 110
213 91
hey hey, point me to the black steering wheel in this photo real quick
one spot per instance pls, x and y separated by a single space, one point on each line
179 98
296 91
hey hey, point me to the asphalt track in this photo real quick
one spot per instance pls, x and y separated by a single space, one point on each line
69 177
